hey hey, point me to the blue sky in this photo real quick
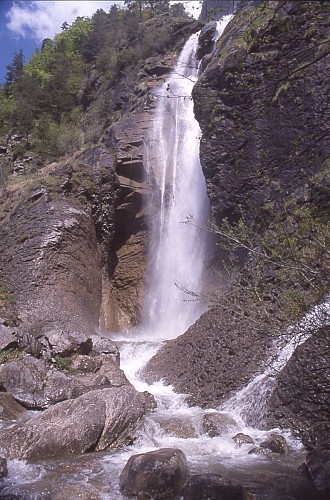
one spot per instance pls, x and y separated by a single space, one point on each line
24 23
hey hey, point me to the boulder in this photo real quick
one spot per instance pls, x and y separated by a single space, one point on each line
318 465
218 424
64 343
10 409
241 438
7 337
275 443
36 384
214 487
178 427
103 345
158 474
100 419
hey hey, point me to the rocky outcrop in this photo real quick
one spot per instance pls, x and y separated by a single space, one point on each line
36 384
220 354
54 273
101 419
300 399
262 108
156 474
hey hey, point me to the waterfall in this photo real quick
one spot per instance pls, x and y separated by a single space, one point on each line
177 251
249 404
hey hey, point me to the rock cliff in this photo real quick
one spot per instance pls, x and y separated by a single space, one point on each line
74 235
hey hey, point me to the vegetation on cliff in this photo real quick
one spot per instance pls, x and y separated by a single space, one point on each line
70 88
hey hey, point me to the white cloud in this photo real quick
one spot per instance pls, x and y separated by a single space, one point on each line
43 19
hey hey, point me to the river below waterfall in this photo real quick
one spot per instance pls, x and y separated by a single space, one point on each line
178 253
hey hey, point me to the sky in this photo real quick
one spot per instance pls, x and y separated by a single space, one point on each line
24 23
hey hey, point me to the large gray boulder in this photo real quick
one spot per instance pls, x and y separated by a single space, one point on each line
158 474
36 384
100 419
218 424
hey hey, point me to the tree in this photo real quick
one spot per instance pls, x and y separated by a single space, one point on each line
14 70
65 26
153 6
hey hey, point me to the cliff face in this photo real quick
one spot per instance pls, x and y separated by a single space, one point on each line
74 233
263 106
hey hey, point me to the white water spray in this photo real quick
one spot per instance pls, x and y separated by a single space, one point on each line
178 250
249 404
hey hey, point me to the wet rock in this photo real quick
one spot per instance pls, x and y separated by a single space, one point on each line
79 491
150 402
275 443
36 384
213 348
318 465
241 438
206 39
299 399
257 450
3 467
214 487
177 427
156 474
218 424
10 409
100 419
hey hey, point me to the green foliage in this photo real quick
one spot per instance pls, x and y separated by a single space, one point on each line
62 362
51 100
289 263
5 296
56 139
14 71
9 354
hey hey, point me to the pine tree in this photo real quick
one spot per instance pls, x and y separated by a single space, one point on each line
14 70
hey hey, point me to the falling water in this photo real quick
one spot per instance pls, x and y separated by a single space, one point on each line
178 249
250 402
